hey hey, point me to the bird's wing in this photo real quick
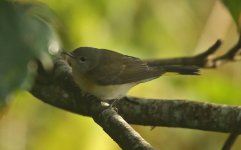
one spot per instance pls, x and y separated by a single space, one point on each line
115 68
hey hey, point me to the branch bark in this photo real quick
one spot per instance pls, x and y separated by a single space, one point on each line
113 124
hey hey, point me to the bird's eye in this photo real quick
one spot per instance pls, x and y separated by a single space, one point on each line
83 59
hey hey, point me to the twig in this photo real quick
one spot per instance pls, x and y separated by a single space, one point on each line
232 137
230 55
200 60
206 59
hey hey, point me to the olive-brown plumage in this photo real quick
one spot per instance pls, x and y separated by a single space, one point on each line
109 75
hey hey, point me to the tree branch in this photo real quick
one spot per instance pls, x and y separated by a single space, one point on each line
180 113
120 130
172 113
200 60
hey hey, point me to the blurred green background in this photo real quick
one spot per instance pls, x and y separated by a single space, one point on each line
145 29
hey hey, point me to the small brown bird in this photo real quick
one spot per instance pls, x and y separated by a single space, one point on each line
109 75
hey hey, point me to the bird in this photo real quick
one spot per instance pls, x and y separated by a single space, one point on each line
109 75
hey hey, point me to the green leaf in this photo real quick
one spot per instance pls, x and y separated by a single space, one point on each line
234 6
24 36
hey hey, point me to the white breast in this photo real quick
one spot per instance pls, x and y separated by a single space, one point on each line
111 92
107 92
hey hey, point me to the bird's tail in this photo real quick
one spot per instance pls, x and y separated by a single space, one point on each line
184 70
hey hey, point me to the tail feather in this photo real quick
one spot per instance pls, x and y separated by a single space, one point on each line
184 70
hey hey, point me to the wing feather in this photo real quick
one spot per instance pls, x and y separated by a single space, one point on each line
115 68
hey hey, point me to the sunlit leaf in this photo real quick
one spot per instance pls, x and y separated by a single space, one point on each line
24 36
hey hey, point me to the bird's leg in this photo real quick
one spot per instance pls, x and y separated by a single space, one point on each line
114 102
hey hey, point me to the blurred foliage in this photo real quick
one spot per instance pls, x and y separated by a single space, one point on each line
24 36
234 7
142 28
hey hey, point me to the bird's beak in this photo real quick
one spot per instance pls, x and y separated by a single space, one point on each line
69 54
